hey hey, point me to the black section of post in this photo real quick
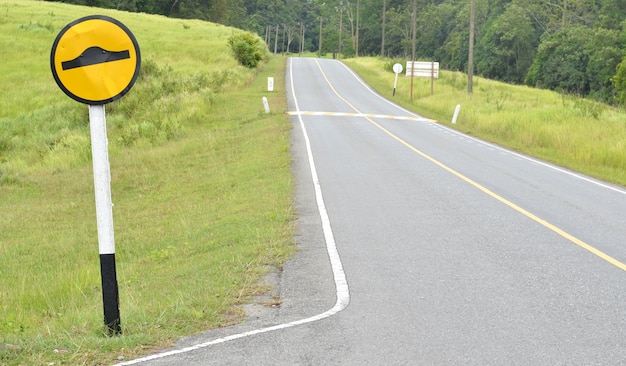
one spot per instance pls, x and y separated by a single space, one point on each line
110 294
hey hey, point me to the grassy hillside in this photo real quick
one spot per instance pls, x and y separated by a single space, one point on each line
200 180
579 134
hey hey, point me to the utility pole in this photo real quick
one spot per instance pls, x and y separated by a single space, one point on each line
356 48
470 60
414 30
319 52
382 44
302 37
284 31
276 40
340 26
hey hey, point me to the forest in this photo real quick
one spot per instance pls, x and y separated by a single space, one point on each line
571 46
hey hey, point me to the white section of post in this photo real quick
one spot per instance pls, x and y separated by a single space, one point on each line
395 82
266 105
102 179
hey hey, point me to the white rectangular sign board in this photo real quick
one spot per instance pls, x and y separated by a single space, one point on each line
423 69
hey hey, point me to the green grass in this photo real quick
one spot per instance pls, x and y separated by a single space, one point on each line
579 134
201 180
201 183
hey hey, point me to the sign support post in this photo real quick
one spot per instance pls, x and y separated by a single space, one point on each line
104 216
397 68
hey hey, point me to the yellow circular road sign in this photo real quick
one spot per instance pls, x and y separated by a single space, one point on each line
95 59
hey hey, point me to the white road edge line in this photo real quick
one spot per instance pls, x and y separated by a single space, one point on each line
341 284
538 162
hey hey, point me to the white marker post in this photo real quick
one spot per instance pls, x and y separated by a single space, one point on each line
104 217
266 104
95 60
270 84
456 113
397 68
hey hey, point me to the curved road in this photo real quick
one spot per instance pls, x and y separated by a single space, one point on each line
424 246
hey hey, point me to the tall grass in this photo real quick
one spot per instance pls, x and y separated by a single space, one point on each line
576 133
200 180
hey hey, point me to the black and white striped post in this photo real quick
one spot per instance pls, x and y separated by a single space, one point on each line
104 217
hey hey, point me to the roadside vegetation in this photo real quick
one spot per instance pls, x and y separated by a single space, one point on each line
201 177
201 184
573 132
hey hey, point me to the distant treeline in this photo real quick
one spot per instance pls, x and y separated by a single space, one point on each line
574 46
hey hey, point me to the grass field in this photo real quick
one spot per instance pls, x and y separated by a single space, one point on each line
201 184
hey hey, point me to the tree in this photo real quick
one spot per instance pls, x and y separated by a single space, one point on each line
611 14
218 11
382 43
619 83
605 53
507 49
236 12
554 15
435 23
399 33
577 60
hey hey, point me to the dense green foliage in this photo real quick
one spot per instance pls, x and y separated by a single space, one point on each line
619 80
247 49
567 45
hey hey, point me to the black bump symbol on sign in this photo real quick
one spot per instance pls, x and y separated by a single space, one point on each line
93 56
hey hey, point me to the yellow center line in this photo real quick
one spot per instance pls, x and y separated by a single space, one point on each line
499 198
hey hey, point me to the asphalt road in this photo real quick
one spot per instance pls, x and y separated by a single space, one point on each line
420 245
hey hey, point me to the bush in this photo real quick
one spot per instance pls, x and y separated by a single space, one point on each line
388 64
619 83
246 48
578 61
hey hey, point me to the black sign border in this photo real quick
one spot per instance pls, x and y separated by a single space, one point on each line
76 97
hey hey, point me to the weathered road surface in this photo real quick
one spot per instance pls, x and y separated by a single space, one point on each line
423 246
